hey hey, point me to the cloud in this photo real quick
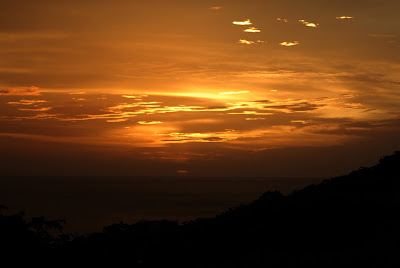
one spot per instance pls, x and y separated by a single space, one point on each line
150 122
309 24
44 109
243 23
233 92
344 18
244 41
116 120
255 119
289 44
77 93
132 97
30 91
26 102
282 19
252 30
177 137
216 8
303 122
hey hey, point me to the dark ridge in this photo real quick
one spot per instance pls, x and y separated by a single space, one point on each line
347 221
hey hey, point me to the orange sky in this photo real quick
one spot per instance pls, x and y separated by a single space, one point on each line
198 87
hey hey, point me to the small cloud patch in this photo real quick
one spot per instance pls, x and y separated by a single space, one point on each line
289 44
243 23
344 18
246 42
252 30
309 24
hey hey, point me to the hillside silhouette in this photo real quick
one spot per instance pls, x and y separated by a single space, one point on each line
347 221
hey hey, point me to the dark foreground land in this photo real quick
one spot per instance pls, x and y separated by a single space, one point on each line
348 221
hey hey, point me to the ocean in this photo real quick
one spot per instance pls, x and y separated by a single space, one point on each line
90 203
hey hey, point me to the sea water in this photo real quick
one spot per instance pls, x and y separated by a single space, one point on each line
90 203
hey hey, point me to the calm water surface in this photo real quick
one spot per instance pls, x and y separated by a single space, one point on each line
89 203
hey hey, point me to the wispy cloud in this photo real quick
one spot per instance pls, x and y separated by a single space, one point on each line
77 93
30 91
26 102
289 44
243 23
216 8
179 137
244 41
44 109
233 92
132 97
149 122
309 24
255 119
344 18
116 120
252 30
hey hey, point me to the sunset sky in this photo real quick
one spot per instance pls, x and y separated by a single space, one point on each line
198 87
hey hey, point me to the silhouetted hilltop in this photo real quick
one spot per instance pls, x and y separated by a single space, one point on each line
351 220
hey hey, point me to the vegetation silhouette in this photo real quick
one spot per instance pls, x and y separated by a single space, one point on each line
347 221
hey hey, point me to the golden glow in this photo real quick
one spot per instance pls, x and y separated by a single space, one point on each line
216 8
243 23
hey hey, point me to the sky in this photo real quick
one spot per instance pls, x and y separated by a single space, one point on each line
198 87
